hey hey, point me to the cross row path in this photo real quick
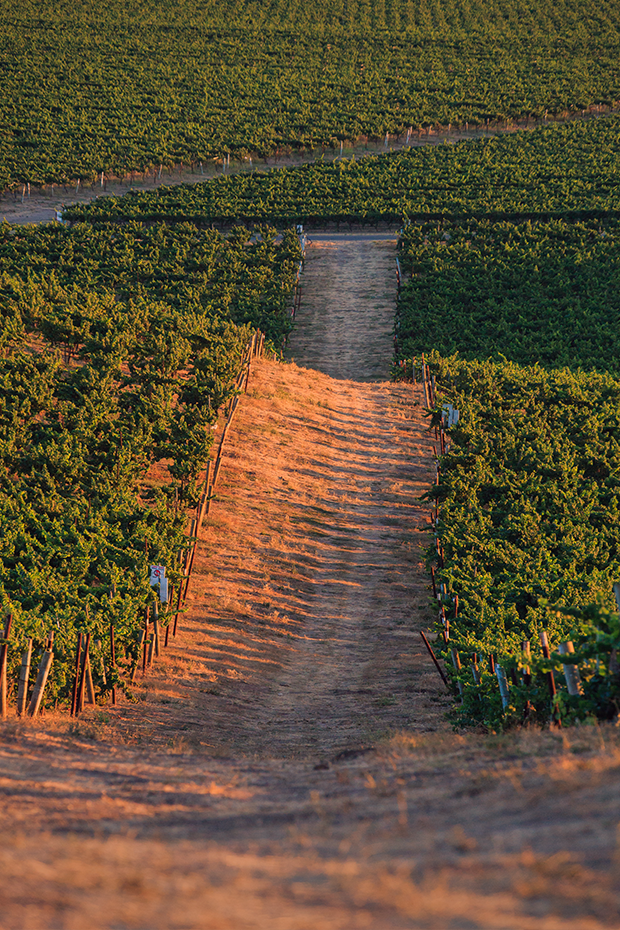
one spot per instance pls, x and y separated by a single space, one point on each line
302 630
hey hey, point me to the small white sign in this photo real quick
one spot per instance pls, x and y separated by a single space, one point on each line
158 572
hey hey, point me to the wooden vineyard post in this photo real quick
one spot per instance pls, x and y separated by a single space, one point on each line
475 671
39 687
24 675
526 656
544 642
4 657
434 585
426 402
78 653
216 469
113 660
90 687
446 623
434 658
156 630
141 644
457 667
208 500
178 608
79 707
571 672
191 556
203 505
503 686
169 624
145 653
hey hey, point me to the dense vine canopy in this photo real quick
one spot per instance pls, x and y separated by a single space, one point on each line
119 86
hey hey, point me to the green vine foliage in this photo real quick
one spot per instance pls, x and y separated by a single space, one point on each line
529 500
545 291
119 348
124 86
569 171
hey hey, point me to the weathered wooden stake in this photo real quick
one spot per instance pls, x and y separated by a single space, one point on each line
156 635
178 608
80 695
571 672
113 660
39 687
457 665
525 652
90 687
202 507
78 654
544 642
434 658
216 469
4 656
503 686
141 644
145 653
24 675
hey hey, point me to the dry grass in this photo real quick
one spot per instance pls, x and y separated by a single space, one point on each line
440 830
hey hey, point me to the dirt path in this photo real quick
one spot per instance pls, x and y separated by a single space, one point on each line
310 586
346 320
287 763
310 589
41 204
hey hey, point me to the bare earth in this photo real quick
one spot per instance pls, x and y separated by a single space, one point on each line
287 763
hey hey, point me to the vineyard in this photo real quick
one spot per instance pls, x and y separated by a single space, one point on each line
528 542
119 348
511 265
519 322
544 292
572 168
310 471
119 88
